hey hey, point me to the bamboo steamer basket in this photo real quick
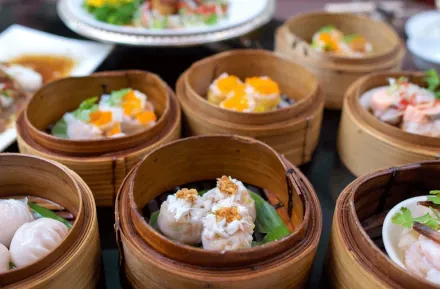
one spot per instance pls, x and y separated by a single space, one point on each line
102 164
149 260
356 257
335 72
292 131
75 262
366 144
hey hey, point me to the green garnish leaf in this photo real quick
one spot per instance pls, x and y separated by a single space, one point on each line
11 266
405 219
433 80
436 198
85 108
350 38
153 220
212 19
60 129
328 28
46 213
117 95
202 192
121 13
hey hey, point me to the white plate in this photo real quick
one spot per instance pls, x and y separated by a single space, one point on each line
426 52
424 24
244 16
18 40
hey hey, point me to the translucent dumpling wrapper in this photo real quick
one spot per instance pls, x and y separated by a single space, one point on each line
5 258
232 189
35 240
227 228
180 217
13 214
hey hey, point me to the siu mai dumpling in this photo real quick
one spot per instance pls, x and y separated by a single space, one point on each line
265 92
229 188
180 217
227 228
5 258
35 240
222 87
13 214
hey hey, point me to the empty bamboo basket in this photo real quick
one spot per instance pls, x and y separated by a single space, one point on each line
149 260
366 144
102 164
75 262
335 72
356 257
292 131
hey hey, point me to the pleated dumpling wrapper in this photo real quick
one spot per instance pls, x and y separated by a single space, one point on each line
180 217
232 189
5 258
35 240
227 227
13 214
222 87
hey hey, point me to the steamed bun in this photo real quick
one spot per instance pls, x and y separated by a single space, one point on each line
35 240
5 258
13 214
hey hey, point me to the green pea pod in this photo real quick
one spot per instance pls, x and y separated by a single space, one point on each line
45 213
153 220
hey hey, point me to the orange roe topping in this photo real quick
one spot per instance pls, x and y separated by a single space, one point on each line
263 85
330 43
188 195
146 116
238 101
116 129
229 83
100 118
358 44
230 214
131 104
227 186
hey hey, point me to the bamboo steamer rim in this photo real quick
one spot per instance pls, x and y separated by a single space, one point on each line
171 126
74 232
268 129
348 225
283 41
218 258
215 110
126 237
348 17
55 143
385 132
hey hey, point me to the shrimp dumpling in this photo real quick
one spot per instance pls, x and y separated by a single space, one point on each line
227 228
229 188
13 214
5 258
180 217
35 240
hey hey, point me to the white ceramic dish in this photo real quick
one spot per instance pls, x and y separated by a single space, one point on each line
425 24
391 232
244 16
18 40
425 52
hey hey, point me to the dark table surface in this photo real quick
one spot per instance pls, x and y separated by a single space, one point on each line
325 171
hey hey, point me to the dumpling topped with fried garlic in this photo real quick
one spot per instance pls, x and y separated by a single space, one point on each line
227 227
232 190
180 217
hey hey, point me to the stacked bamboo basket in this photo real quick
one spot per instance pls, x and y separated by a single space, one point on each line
292 131
335 72
149 260
356 257
366 144
75 262
102 164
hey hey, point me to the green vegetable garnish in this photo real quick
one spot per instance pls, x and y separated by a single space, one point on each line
60 129
115 13
328 28
405 219
153 220
212 19
350 38
11 266
85 108
117 95
202 192
436 198
433 80
46 213
160 23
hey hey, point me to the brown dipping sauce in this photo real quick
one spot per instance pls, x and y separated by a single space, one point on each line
49 66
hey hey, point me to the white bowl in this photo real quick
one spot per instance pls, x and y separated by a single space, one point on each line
424 24
391 232
425 52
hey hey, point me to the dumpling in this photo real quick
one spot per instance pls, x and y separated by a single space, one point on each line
5 258
13 214
229 188
227 228
180 217
33 241
222 88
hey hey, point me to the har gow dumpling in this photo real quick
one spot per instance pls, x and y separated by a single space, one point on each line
229 188
35 240
5 258
13 214
227 228
180 217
